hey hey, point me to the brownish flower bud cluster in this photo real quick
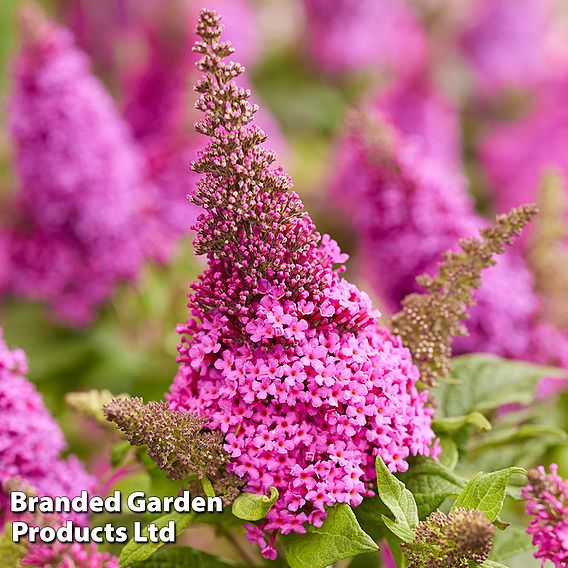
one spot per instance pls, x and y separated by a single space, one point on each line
548 251
428 322
451 541
176 441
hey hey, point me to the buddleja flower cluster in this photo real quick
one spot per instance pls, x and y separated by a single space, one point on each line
280 354
30 446
547 502
176 441
30 440
83 217
451 541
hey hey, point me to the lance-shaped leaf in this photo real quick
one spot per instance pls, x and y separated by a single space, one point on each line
399 501
338 538
396 496
486 492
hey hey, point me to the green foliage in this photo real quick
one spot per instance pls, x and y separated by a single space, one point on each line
451 424
338 538
119 452
486 492
135 552
481 382
254 507
398 499
177 556
513 435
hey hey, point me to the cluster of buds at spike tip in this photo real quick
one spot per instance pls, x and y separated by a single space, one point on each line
176 441
549 250
455 540
547 504
254 230
428 322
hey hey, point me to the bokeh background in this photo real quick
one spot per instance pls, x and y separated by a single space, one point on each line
405 126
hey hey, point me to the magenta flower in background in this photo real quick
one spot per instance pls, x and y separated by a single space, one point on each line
85 210
157 94
428 120
69 556
547 504
98 27
402 186
510 43
279 353
365 34
30 440
399 177
516 155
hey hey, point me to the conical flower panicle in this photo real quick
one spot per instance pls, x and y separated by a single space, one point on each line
428 322
280 354
451 541
254 228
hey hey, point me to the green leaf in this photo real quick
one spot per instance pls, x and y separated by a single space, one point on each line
339 537
454 423
253 507
486 492
431 484
401 531
395 496
183 556
482 382
510 543
490 564
137 552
